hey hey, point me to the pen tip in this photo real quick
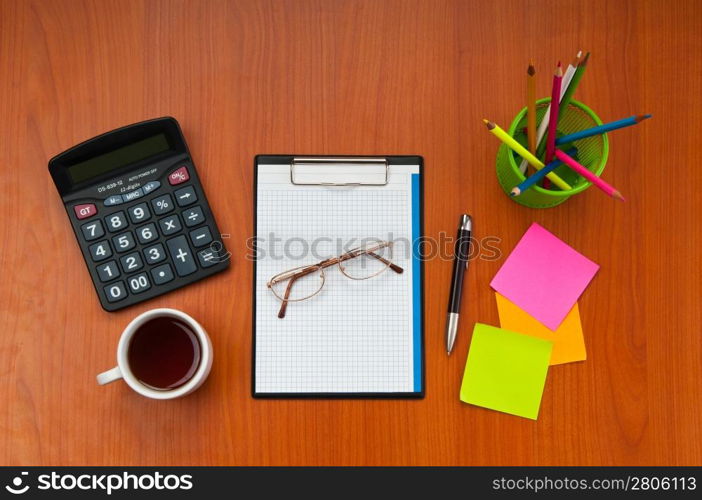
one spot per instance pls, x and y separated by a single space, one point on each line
618 196
530 70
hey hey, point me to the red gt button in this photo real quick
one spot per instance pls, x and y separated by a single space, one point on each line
85 211
178 176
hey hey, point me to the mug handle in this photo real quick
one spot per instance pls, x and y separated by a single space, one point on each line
109 376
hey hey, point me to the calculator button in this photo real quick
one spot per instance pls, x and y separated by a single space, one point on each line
181 255
115 292
178 176
123 242
146 233
100 251
113 200
84 211
185 196
116 222
108 271
170 225
139 283
150 186
154 254
162 274
92 230
193 216
133 195
162 204
131 262
207 257
201 237
139 213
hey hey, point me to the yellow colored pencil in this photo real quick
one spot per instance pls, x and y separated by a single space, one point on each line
531 108
524 153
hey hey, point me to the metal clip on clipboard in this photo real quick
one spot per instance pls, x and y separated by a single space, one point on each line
319 171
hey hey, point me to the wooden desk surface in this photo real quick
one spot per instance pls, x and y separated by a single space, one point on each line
355 77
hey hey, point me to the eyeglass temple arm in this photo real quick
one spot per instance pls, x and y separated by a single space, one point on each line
284 302
394 267
293 278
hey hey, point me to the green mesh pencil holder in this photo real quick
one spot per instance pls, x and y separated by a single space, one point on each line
592 154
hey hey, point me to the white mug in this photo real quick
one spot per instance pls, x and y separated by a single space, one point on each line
122 369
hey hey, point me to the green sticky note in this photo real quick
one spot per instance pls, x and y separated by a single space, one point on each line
506 371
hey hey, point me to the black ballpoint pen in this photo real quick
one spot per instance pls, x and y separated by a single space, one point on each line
460 264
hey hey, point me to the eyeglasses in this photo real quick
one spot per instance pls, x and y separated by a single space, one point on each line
360 263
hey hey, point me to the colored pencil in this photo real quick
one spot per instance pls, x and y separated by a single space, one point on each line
601 129
543 124
524 153
534 178
531 108
553 115
575 81
589 175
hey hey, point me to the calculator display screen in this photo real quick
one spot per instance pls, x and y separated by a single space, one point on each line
107 162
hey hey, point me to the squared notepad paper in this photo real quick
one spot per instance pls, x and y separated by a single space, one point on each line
354 337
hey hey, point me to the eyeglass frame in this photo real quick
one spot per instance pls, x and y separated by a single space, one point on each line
299 272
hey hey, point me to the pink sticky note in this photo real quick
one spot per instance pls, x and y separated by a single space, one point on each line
544 276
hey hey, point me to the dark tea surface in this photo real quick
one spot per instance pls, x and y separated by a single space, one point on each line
164 353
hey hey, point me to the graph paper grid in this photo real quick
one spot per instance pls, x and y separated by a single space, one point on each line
354 336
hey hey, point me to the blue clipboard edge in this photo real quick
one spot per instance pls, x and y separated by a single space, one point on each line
286 159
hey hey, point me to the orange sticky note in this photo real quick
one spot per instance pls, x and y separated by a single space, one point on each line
568 341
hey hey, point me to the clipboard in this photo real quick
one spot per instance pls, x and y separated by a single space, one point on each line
360 339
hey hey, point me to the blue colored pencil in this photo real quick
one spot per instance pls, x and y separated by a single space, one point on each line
540 174
601 129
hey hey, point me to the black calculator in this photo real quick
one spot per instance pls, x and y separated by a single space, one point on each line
139 212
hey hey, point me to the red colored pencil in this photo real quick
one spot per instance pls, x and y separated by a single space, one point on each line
611 191
553 117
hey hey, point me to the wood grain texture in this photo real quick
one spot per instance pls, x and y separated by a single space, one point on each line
354 77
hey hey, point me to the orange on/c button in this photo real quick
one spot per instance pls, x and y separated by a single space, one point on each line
84 211
178 176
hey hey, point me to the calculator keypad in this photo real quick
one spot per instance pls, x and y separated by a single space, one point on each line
123 242
157 237
207 258
116 222
182 256
201 236
155 254
100 251
185 196
92 230
193 216
170 225
139 283
147 233
115 292
108 271
162 274
139 213
162 204
131 262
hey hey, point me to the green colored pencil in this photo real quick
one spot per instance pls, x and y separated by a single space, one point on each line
568 94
